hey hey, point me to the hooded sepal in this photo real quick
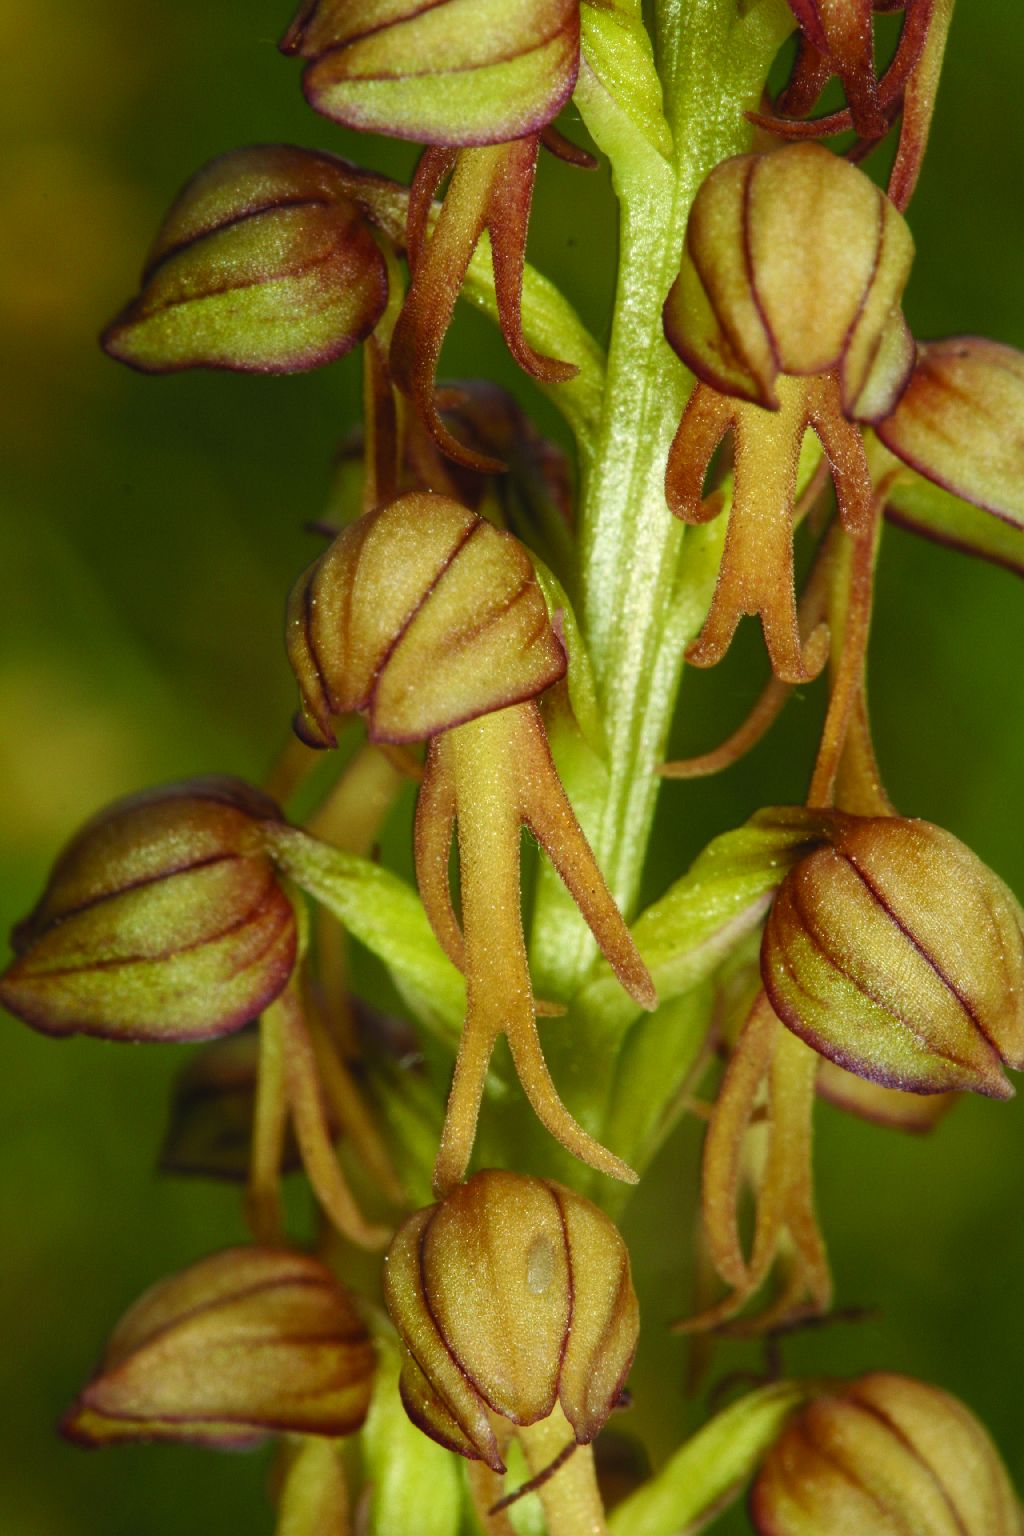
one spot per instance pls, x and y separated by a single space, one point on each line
264 264
245 1343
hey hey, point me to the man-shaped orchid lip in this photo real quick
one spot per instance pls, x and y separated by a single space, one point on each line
787 309
431 623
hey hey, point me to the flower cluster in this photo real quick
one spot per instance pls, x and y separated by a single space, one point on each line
470 638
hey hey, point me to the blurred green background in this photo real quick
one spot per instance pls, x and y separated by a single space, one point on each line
149 533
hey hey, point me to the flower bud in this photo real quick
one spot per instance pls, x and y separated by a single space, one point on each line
422 616
897 954
163 920
264 264
451 72
795 263
511 1295
960 422
885 1455
246 1343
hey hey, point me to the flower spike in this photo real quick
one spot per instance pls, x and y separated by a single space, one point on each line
479 83
787 308
430 622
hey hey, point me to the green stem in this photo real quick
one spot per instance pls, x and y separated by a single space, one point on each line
570 1498
712 66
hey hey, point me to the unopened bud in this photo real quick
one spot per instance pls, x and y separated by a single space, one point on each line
960 422
512 1295
263 264
885 1455
163 920
246 1343
420 616
795 264
450 72
897 954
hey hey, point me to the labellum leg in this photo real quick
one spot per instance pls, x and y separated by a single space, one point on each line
350 1113
312 1131
551 819
439 264
482 760
723 1146
508 221
270 1115
756 574
491 188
